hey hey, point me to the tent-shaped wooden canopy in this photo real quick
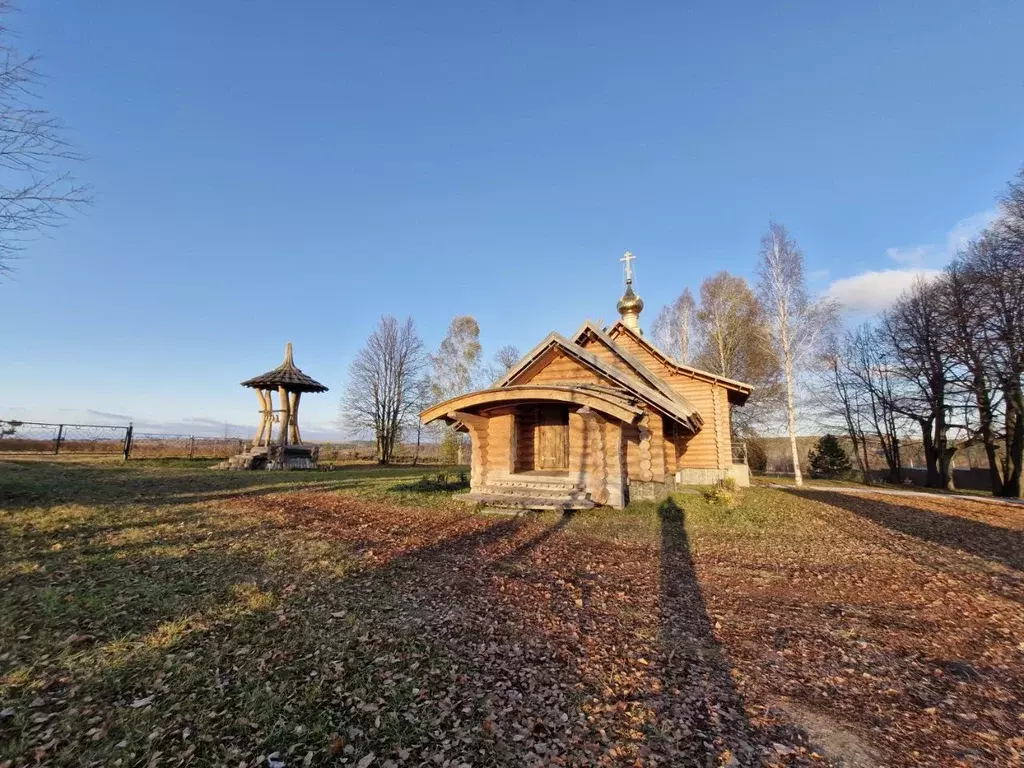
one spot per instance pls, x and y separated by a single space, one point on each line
290 383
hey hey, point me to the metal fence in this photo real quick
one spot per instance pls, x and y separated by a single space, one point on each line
153 445
36 438
739 453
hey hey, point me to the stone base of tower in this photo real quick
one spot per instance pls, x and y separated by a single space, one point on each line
263 457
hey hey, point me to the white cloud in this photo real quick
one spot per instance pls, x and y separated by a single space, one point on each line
966 230
877 290
913 256
939 254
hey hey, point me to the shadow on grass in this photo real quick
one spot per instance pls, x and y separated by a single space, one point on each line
439 482
28 484
989 542
224 623
693 661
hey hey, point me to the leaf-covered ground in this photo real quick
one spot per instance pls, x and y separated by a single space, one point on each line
167 615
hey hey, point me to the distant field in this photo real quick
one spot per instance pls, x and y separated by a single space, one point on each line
153 446
159 613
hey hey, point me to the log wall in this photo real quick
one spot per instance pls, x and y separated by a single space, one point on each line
554 367
645 449
595 444
711 447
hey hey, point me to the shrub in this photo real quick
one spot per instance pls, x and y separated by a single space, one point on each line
723 494
828 458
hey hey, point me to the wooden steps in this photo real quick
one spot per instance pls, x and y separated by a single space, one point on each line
530 492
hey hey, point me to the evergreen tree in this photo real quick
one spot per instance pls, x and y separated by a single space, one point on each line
828 458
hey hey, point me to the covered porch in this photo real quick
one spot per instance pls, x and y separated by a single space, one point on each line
544 447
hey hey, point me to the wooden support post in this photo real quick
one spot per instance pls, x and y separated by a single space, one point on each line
296 438
269 437
263 418
286 415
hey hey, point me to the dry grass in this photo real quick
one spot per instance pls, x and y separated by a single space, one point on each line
163 614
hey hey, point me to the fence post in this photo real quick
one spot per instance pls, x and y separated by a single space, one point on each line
128 442
60 438
191 446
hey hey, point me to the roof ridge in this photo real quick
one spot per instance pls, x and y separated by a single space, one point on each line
680 409
631 360
740 386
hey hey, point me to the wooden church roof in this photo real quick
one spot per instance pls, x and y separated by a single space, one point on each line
664 399
623 367
739 390
285 375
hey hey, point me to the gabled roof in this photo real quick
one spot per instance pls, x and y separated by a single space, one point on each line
676 406
629 359
742 389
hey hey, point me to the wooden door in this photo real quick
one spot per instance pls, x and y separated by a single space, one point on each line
553 437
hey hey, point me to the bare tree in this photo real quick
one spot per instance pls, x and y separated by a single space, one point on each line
1006 274
856 388
985 307
840 399
966 302
36 192
914 333
672 328
454 370
797 323
380 394
504 359
421 400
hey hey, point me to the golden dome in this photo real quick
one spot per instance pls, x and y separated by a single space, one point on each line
630 302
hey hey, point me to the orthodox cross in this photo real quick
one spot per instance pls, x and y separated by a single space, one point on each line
627 260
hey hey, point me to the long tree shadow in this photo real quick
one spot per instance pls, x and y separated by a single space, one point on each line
990 542
708 704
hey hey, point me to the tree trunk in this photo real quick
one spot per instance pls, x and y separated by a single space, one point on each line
931 460
791 418
1014 443
943 452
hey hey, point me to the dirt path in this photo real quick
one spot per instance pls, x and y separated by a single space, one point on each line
900 492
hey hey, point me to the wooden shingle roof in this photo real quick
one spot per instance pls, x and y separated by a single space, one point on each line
285 375
675 405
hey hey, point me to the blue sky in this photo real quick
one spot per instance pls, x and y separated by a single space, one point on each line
269 172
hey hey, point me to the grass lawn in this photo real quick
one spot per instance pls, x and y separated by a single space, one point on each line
163 614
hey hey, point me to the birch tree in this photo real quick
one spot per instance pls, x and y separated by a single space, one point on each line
454 370
381 391
672 328
796 323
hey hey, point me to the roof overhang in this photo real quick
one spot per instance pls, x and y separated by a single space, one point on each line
618 405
